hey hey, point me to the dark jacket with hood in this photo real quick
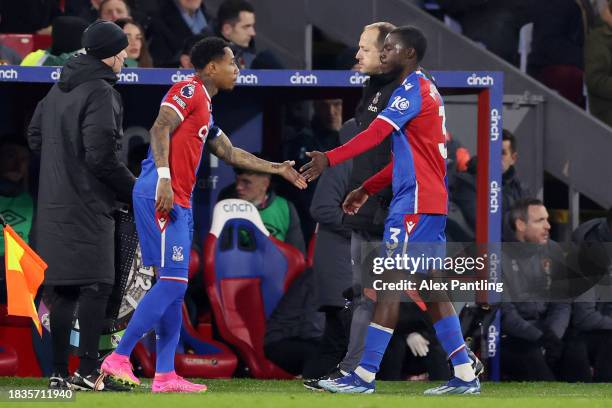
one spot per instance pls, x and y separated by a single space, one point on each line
76 129
371 216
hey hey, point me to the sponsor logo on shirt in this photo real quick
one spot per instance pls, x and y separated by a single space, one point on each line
188 90
180 102
372 107
400 103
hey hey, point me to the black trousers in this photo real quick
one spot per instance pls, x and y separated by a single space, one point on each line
398 362
333 344
292 354
91 300
588 357
522 360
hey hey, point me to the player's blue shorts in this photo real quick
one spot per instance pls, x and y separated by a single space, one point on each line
164 243
418 236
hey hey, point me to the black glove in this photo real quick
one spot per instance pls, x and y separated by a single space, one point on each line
552 345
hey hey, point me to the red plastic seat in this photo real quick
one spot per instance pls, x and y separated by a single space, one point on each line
246 272
22 44
9 362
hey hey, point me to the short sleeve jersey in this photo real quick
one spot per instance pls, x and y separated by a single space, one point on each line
191 102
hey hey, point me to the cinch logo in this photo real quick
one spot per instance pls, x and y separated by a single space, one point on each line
358 79
55 75
8 74
493 267
178 77
400 103
494 203
250 79
298 79
495 117
128 77
480 81
492 337
243 207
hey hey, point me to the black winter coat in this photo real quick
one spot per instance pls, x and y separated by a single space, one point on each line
76 129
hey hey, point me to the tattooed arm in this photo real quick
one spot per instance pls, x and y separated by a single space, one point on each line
222 147
167 121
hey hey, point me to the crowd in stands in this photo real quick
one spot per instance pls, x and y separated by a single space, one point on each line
160 31
309 332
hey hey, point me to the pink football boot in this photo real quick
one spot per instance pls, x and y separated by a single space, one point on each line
171 382
120 368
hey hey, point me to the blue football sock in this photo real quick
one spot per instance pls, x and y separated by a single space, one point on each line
376 343
448 331
167 336
149 312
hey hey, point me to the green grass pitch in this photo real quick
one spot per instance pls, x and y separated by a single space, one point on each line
247 393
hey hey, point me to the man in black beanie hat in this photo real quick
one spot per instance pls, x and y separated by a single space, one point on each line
76 129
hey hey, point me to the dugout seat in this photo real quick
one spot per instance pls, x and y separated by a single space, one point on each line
8 361
196 356
23 44
16 337
246 272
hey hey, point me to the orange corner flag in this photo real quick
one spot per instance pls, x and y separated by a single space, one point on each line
25 271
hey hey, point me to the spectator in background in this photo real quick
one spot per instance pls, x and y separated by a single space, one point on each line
137 50
463 192
177 21
28 16
323 133
236 23
66 40
185 58
557 48
81 180
277 213
88 10
494 23
16 204
587 357
533 324
598 67
113 10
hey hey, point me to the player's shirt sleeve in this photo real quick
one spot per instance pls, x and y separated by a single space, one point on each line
364 141
181 98
404 104
214 131
380 180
